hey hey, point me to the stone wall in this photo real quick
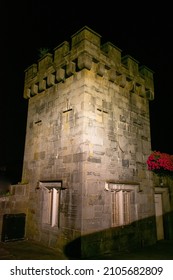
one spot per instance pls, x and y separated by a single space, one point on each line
15 202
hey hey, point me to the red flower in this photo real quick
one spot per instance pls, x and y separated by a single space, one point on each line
160 163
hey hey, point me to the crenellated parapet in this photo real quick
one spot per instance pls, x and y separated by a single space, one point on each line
86 52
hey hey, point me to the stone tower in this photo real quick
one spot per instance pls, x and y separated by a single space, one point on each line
87 142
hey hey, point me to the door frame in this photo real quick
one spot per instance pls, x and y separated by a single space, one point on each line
165 203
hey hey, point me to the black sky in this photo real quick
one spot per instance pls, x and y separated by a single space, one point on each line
140 30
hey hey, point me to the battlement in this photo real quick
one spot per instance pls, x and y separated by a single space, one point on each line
86 52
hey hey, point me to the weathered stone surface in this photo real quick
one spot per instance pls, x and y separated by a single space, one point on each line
79 157
44 62
112 76
70 69
34 89
84 61
60 74
131 63
86 34
94 159
60 51
125 163
122 80
100 69
31 72
42 85
50 80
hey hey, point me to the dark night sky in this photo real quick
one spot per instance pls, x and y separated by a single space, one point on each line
142 31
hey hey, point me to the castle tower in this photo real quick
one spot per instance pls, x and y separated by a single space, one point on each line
87 142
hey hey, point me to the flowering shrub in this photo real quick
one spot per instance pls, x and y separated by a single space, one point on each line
160 163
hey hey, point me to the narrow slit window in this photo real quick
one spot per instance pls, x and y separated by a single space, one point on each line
50 204
121 208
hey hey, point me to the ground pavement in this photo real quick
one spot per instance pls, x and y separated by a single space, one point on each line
29 250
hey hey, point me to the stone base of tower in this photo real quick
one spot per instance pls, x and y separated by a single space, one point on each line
88 221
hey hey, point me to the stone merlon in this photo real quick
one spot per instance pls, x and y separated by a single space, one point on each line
85 52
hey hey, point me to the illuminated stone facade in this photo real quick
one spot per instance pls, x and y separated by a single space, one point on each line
88 138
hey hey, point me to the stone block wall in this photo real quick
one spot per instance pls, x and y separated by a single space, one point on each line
15 202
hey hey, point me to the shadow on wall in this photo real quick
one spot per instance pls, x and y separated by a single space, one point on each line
4 183
120 239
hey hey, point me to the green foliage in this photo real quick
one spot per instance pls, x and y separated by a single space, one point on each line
42 52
